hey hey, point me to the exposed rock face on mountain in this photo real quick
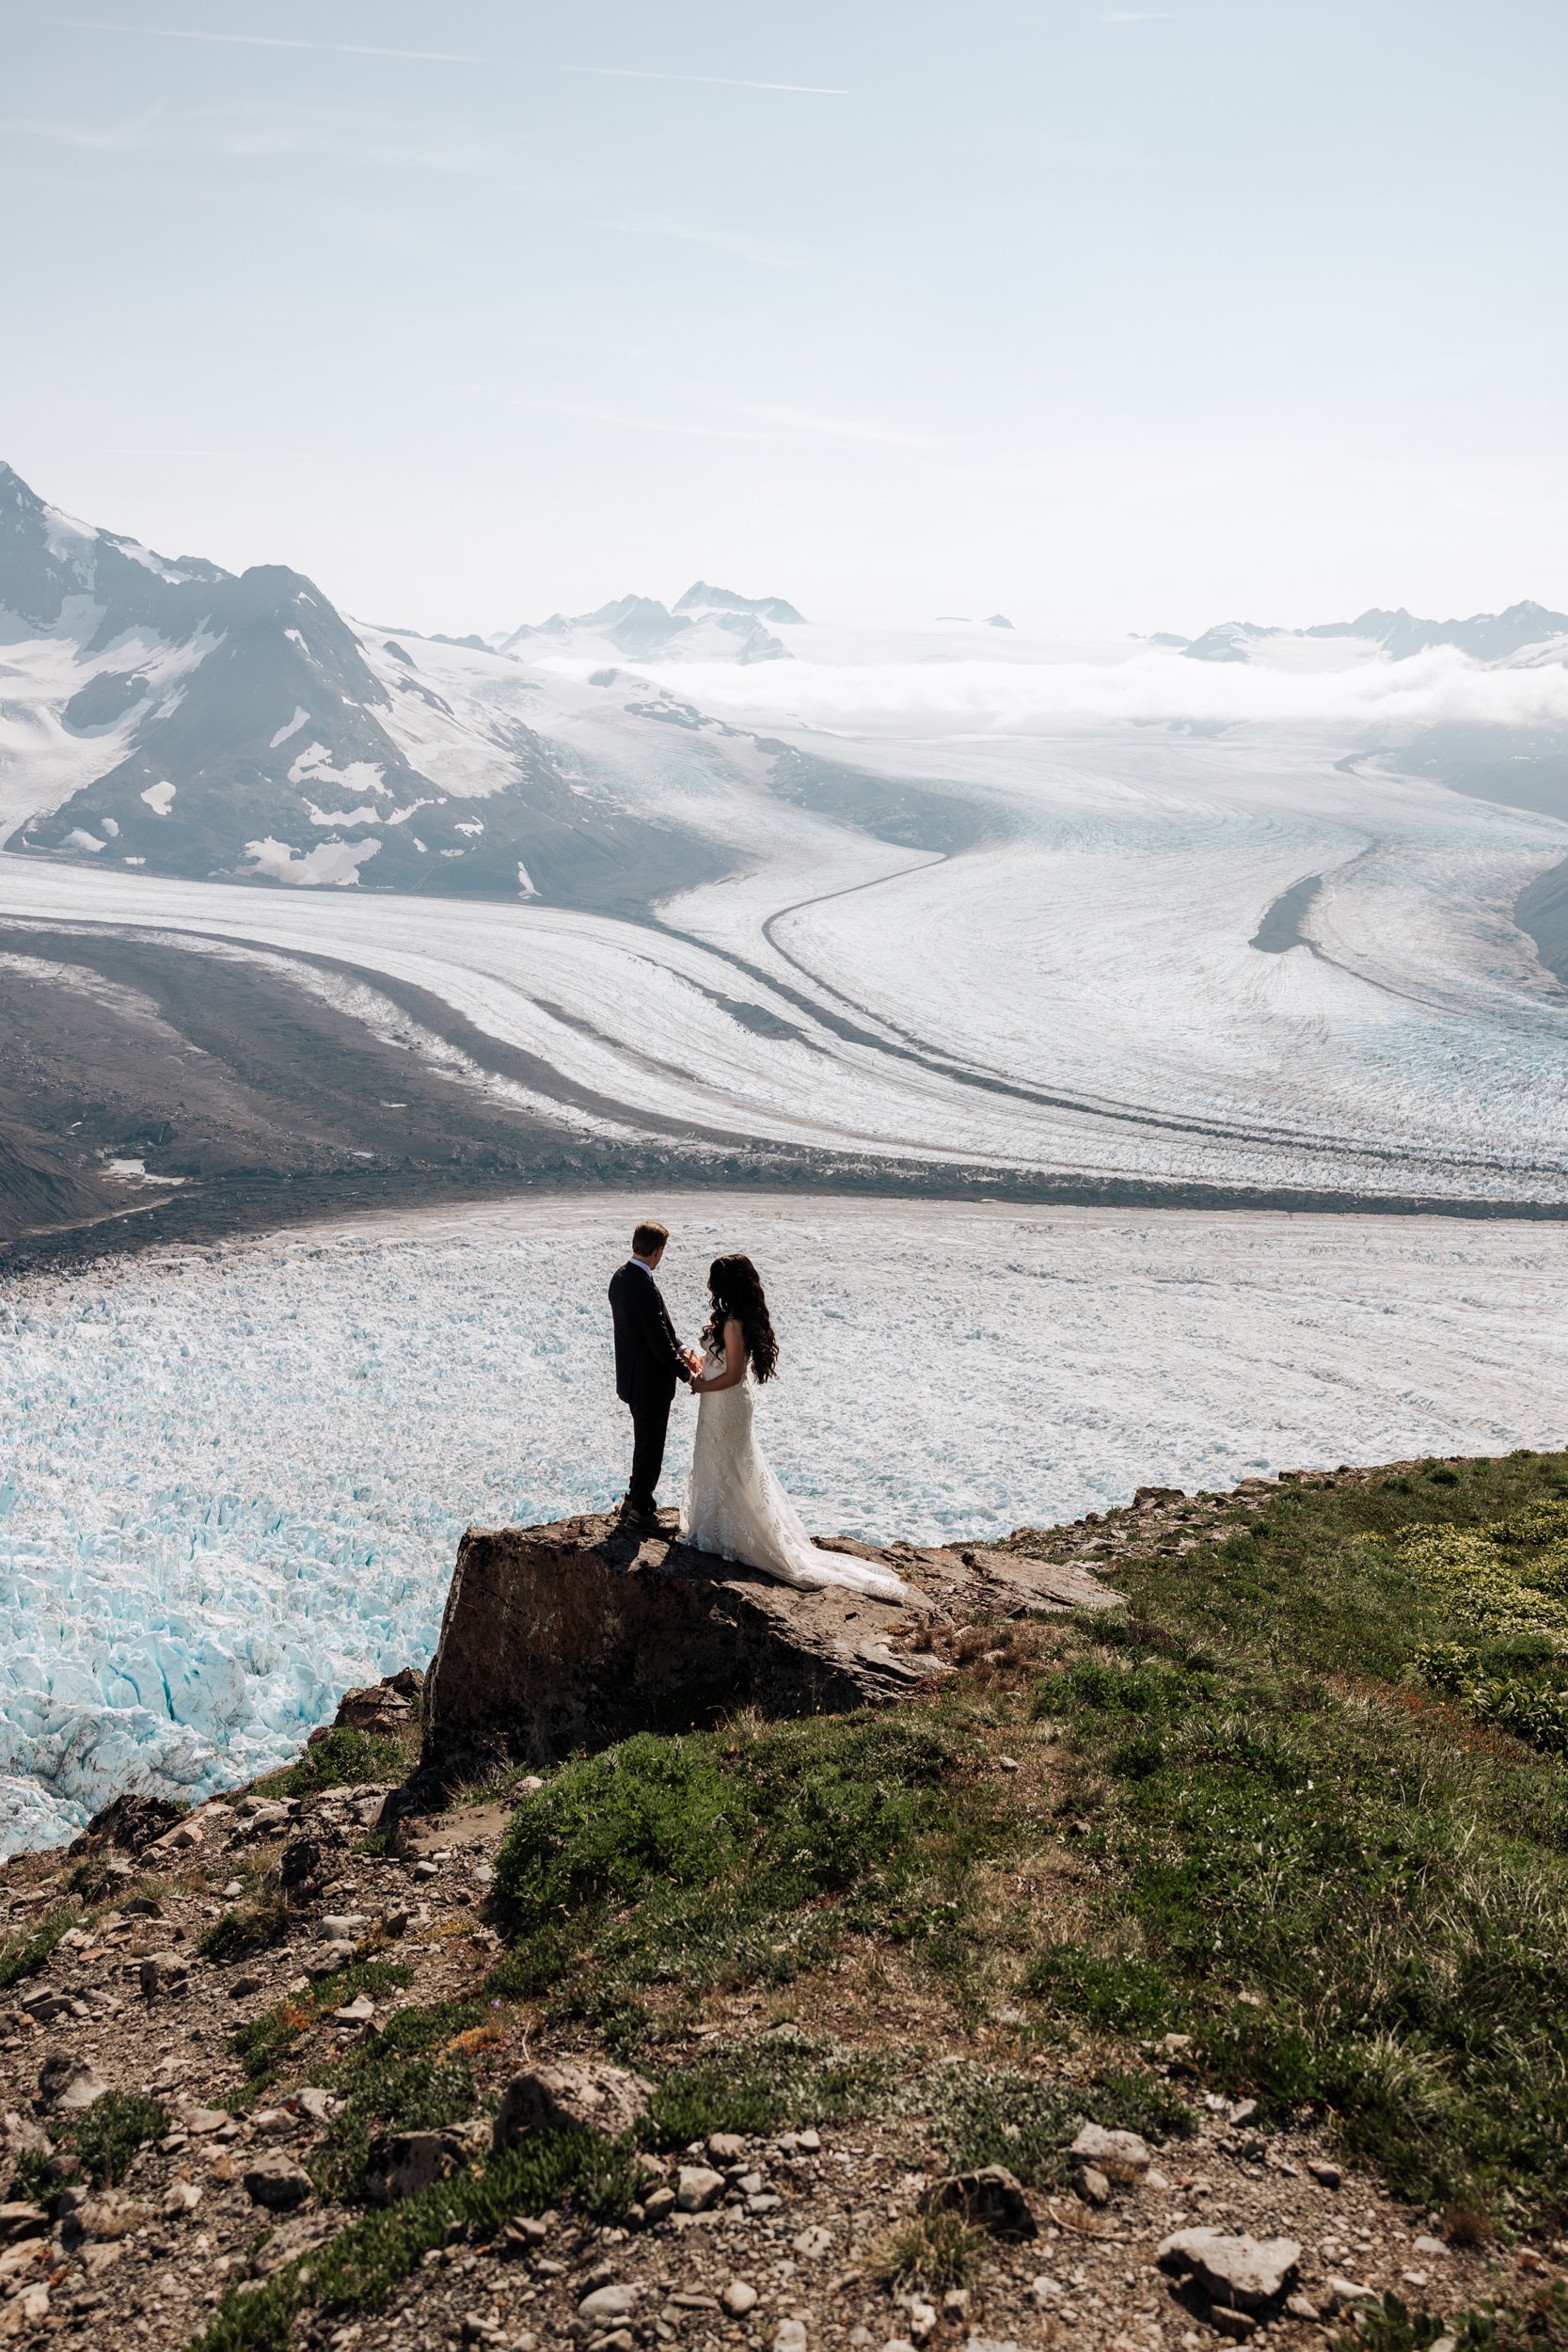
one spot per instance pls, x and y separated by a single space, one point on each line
720 627
701 597
193 722
1485 636
1229 640
577 1633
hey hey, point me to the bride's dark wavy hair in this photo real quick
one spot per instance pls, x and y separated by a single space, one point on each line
735 1289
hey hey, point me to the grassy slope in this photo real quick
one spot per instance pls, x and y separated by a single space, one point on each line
1240 1814
1347 1887
1237 1811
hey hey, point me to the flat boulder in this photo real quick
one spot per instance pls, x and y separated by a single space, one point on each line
610 2100
1247 2274
578 1633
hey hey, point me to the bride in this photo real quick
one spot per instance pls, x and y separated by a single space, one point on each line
735 1506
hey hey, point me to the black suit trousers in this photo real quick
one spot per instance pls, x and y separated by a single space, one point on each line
650 1424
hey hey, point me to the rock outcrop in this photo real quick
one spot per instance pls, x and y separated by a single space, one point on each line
578 1633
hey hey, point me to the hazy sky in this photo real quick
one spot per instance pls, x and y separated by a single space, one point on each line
1108 315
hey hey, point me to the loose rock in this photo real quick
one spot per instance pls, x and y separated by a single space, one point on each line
607 2304
1121 2156
606 2098
277 2182
1244 2273
697 2187
67 2085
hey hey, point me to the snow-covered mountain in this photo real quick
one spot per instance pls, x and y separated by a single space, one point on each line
163 713
702 598
705 625
1525 631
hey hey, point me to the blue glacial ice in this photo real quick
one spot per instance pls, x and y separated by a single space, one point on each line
232 1481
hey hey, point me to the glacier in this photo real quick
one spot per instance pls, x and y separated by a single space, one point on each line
235 1477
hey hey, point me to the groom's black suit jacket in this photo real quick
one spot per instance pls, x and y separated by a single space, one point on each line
648 1360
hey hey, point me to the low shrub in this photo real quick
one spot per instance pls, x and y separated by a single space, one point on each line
262 2045
1122 1995
1538 2323
995 2115
776 2083
253 1928
359 2269
933 2250
110 2132
24 1955
340 1760
1297 1865
405 2078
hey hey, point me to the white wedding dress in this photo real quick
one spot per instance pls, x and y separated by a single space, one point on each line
736 1506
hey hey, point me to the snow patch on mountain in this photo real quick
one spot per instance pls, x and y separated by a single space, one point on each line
335 863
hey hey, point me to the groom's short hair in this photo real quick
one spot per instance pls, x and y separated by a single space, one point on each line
647 1238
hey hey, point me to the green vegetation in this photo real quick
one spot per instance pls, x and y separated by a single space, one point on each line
403 2080
110 2132
104 2139
1540 2324
1274 1807
359 2269
264 2044
1308 1866
339 1759
32 2183
981 2115
934 2250
24 1954
1507 1583
253 1929
774 2084
744 1857
1255 1823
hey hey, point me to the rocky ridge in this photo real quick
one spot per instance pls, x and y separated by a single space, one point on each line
201 2176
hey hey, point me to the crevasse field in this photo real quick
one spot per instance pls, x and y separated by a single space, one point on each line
234 1478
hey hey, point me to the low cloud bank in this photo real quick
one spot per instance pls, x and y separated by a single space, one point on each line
1440 687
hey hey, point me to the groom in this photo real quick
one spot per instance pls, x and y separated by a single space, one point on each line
649 1359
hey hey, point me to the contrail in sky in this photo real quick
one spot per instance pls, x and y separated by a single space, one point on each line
262 41
430 56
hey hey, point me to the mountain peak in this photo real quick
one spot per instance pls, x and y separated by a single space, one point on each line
702 596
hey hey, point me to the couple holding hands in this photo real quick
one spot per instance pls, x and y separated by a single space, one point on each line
735 1506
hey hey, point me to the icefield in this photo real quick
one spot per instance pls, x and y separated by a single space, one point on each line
1079 990
235 1477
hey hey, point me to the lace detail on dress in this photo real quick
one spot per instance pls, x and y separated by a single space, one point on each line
736 1506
